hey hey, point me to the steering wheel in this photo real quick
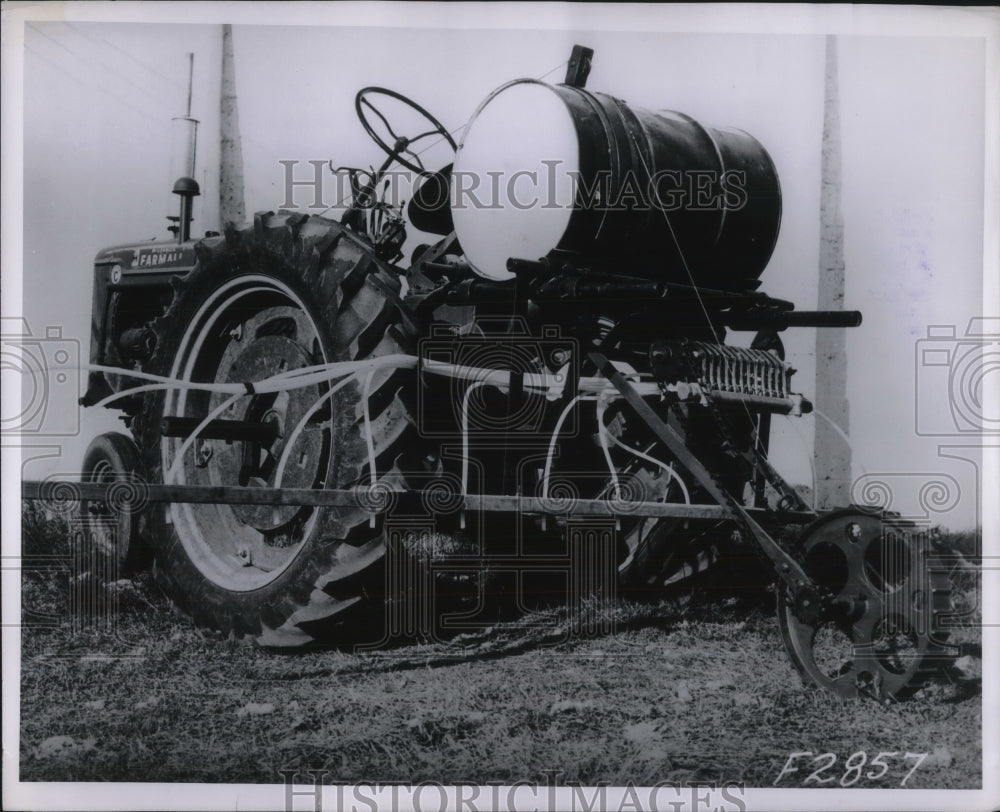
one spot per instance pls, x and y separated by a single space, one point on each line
401 146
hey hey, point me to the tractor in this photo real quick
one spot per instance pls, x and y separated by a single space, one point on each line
557 358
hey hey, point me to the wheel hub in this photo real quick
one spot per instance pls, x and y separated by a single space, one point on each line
256 463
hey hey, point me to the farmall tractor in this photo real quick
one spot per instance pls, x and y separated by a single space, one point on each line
539 369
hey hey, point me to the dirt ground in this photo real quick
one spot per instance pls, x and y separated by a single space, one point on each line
705 692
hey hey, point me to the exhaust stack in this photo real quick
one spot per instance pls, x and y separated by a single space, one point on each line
184 147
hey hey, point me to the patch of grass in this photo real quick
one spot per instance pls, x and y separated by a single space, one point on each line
659 692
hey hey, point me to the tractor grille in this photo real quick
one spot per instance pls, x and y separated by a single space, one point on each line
753 373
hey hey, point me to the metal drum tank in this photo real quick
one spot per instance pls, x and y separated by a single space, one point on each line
548 170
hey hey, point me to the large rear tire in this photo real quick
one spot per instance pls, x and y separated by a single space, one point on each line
285 293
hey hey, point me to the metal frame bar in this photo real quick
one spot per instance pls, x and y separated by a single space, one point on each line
307 497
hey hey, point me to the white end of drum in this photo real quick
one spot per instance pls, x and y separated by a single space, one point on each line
514 180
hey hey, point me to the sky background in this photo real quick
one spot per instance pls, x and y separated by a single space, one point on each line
98 99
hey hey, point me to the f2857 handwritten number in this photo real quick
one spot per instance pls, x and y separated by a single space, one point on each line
854 767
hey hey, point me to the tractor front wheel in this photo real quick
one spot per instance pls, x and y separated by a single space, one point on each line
113 460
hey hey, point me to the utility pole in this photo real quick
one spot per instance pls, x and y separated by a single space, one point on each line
232 211
833 454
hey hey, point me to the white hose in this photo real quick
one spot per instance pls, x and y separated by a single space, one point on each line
602 436
555 438
282 382
669 469
283 461
844 437
539 382
545 384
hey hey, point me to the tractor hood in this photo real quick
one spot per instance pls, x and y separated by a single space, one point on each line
151 255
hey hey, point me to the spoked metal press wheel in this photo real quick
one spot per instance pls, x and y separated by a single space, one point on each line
285 294
879 637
